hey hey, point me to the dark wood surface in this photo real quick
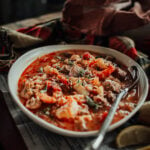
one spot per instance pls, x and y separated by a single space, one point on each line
10 137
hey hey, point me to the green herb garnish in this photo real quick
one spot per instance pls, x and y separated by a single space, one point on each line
41 70
44 90
98 57
88 76
78 81
58 57
57 67
91 103
81 73
70 62
46 109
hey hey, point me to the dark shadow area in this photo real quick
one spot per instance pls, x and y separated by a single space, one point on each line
13 10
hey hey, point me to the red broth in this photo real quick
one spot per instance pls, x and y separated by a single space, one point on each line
74 89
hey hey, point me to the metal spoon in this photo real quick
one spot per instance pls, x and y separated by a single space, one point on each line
94 145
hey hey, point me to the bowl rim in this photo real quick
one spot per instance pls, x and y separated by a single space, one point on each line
35 53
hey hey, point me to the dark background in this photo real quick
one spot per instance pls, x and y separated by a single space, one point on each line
13 10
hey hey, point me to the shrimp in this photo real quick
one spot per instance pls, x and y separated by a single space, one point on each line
87 56
33 103
54 71
81 89
100 62
63 79
57 92
83 121
106 67
44 97
50 70
98 90
27 92
75 58
78 97
68 111
104 73
95 81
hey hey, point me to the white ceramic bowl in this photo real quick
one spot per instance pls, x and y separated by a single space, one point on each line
26 59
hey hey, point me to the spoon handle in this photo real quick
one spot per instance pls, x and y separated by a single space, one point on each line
97 142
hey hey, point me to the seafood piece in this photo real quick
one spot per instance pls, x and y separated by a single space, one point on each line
26 93
81 89
44 97
110 96
82 121
68 111
98 90
75 58
63 79
56 89
101 99
33 103
56 93
87 56
88 87
119 73
29 84
61 101
75 71
50 70
84 109
100 62
65 69
95 81
104 73
129 106
78 97
112 85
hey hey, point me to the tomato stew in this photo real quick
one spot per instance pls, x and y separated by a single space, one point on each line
74 89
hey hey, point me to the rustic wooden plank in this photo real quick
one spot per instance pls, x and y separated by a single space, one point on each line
32 21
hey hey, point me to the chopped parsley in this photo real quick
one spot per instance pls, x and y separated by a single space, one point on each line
98 57
78 81
46 111
81 73
91 103
41 70
70 62
44 90
89 76
58 57
57 67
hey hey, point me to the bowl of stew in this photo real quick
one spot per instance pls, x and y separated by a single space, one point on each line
69 89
